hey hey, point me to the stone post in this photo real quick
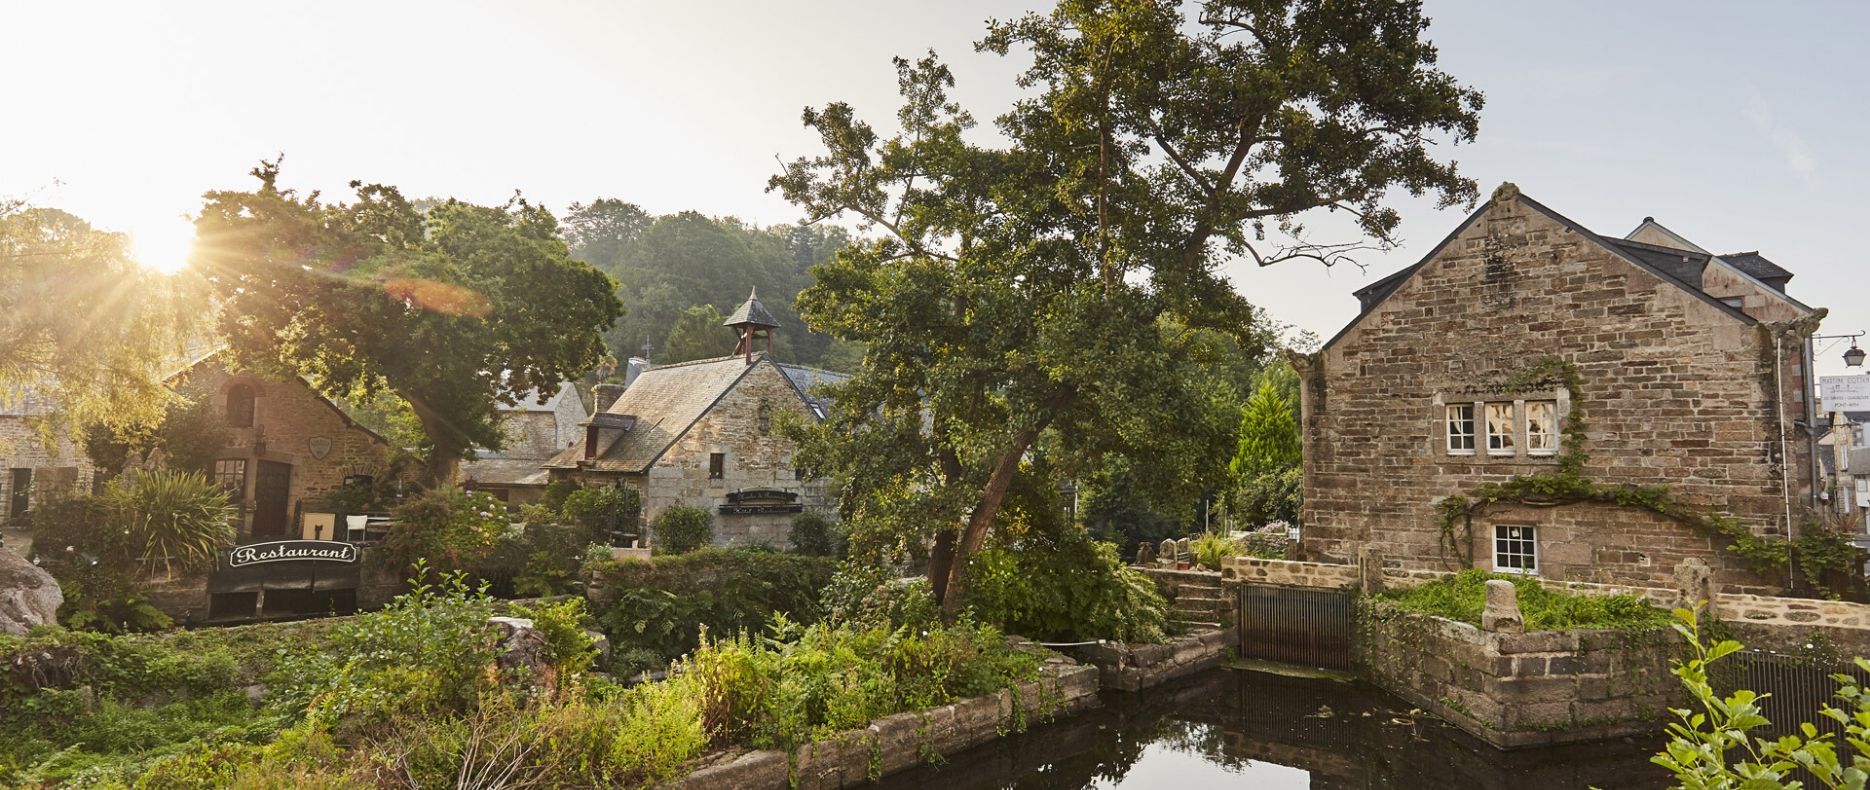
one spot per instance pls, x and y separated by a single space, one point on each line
1145 554
1695 581
1502 613
1166 553
1369 570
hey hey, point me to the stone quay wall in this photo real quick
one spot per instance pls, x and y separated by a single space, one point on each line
894 743
1517 690
1134 667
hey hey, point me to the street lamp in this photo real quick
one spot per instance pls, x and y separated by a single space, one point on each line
1853 356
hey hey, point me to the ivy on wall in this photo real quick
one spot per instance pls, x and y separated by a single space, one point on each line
1817 552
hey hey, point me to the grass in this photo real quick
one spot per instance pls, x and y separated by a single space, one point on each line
1462 597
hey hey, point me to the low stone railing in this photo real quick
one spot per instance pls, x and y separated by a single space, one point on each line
1514 689
894 743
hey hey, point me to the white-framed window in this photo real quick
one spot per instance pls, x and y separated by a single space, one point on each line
1500 429
1461 429
1516 549
1541 427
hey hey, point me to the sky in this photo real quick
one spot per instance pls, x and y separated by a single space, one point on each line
1737 128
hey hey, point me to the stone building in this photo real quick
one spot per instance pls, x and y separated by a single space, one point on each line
288 447
1521 334
703 433
33 466
537 428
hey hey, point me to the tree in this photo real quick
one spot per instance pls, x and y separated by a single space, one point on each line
454 310
597 232
698 334
1004 299
85 327
1269 434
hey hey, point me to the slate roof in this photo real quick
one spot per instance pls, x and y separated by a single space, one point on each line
751 312
1671 265
806 380
504 472
665 401
1759 268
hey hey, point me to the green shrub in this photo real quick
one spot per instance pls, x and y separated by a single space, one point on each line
653 610
816 535
1064 586
173 520
1210 548
873 596
80 540
447 528
603 513
682 529
1464 595
568 648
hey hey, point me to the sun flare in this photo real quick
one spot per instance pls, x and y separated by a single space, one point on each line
164 246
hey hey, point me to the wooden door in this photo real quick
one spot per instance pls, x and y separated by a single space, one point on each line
272 488
19 497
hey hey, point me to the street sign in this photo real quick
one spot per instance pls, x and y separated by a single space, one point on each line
1844 393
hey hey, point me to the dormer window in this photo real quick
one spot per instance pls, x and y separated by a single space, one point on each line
240 406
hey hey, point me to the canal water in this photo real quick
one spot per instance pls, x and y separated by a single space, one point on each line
1245 730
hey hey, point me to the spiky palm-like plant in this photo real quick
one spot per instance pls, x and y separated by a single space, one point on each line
173 520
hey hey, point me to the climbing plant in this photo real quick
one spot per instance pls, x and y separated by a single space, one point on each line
1816 553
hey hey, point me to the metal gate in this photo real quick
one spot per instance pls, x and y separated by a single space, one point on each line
1798 686
1294 625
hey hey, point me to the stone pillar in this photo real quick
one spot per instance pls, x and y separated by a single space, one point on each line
1502 613
1166 553
1145 554
603 395
1695 581
1369 570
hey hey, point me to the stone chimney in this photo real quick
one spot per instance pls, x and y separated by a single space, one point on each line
605 395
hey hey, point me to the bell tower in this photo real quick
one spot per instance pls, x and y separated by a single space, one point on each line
750 323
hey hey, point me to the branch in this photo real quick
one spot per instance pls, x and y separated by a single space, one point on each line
1162 141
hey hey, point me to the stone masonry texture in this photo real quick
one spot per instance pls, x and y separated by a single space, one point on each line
1674 390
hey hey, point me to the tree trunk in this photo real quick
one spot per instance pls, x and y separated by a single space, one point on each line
445 450
954 594
941 561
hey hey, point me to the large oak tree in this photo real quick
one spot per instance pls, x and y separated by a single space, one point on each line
1029 286
454 309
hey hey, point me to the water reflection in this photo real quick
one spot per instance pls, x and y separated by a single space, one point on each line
1228 729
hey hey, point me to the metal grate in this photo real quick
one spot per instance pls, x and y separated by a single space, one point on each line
1799 687
1296 626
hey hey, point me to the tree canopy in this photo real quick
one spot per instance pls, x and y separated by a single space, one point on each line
454 309
1049 287
84 326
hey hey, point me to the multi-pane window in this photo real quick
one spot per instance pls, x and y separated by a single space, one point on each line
1515 549
1461 429
231 475
717 466
1500 429
1541 427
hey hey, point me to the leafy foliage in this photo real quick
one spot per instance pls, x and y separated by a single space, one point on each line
603 511
1273 496
62 280
1004 303
1463 596
814 534
455 309
1065 586
682 528
1269 434
190 436
1717 742
654 610
446 530
1209 548
175 520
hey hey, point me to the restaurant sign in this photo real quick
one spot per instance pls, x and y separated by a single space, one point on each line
291 551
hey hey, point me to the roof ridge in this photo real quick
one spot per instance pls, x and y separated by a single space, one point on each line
757 355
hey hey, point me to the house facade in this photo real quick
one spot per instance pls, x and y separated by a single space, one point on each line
288 447
536 428
704 433
1526 345
34 465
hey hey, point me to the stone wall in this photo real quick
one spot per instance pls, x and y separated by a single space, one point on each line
1517 690
1134 667
743 426
56 465
293 425
894 743
1289 573
1674 390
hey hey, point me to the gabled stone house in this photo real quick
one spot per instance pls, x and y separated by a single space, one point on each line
1524 340
287 448
704 433
537 428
